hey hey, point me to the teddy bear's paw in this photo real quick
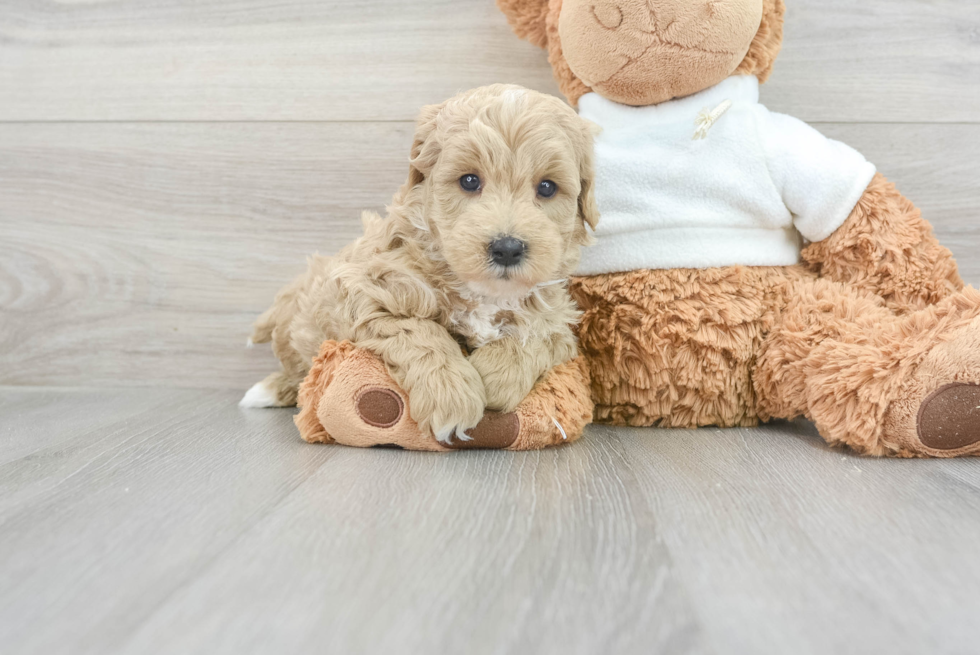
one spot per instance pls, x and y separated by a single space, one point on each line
361 405
938 411
949 418
495 431
380 407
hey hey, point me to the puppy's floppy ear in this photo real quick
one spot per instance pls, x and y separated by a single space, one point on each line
588 210
527 18
425 146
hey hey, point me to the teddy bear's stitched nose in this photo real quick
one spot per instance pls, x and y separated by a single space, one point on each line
608 15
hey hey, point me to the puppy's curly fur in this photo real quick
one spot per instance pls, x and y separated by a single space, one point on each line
421 282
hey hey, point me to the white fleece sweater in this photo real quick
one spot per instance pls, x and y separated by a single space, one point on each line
744 194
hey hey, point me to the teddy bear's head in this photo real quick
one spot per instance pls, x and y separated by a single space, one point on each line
644 52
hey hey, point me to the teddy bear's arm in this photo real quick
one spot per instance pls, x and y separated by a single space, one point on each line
863 231
887 248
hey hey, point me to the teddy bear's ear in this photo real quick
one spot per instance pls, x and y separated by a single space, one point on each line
768 41
537 21
527 18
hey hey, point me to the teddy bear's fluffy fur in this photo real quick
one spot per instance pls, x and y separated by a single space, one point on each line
859 337
420 282
682 347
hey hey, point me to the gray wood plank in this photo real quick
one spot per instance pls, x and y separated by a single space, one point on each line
141 253
21 412
881 60
242 60
171 238
99 528
788 546
210 529
405 553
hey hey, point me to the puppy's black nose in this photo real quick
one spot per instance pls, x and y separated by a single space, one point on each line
507 251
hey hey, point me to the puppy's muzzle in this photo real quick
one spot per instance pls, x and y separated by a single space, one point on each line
507 251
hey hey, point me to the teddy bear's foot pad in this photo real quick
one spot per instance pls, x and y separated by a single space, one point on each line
949 418
379 407
496 431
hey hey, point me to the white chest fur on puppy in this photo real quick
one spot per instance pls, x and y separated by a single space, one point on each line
741 195
480 325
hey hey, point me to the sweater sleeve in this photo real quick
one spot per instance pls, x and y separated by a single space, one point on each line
819 179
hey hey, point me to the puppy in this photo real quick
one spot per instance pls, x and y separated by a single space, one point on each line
473 253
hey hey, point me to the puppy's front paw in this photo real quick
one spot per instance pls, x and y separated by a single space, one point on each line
449 401
507 383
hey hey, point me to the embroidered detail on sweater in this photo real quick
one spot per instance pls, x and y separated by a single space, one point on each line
707 118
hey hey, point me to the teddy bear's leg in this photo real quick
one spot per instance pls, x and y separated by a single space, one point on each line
886 248
557 409
881 383
675 348
349 398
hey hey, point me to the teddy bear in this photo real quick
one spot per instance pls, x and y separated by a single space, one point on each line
748 268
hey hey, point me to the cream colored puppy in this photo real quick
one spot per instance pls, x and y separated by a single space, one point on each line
474 252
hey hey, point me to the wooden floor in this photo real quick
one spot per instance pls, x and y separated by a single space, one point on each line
165 166
149 521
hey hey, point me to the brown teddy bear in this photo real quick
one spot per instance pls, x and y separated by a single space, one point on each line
748 268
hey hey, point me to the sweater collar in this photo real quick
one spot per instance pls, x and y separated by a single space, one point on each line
740 89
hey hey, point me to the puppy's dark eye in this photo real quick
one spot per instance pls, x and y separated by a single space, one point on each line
469 182
547 189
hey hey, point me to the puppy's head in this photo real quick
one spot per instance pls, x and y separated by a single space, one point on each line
503 180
